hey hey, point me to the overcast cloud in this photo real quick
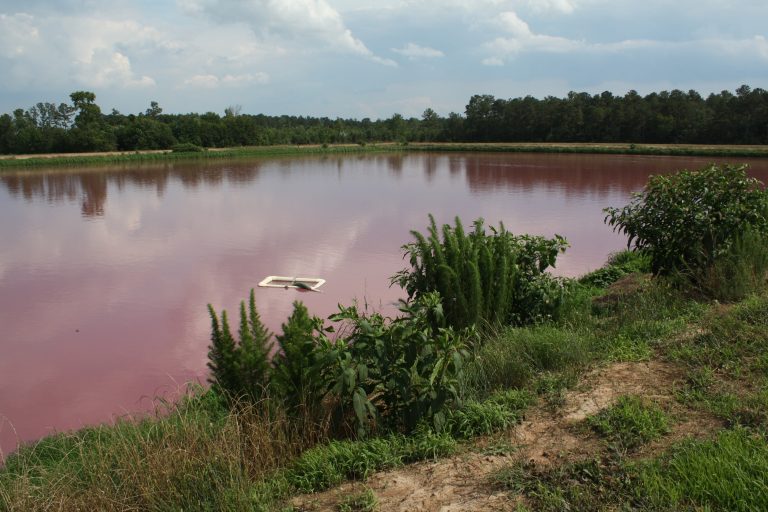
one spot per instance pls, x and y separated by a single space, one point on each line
361 58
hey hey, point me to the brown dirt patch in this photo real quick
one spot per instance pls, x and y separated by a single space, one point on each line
545 437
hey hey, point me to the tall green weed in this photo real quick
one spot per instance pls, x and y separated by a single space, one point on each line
484 278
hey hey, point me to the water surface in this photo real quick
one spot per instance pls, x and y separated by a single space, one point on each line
105 273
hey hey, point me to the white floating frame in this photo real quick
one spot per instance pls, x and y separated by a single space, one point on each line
289 282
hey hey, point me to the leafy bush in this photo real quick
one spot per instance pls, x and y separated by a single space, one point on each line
689 221
395 374
484 278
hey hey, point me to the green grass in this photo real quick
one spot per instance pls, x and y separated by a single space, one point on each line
512 357
727 364
193 456
594 484
333 463
630 423
501 410
729 472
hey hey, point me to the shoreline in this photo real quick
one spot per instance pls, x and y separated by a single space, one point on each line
115 157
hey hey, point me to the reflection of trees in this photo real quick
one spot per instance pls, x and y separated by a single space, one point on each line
91 185
395 164
574 174
430 166
94 188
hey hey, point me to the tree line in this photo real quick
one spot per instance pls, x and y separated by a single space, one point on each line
663 117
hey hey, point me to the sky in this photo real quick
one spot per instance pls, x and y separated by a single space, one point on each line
362 58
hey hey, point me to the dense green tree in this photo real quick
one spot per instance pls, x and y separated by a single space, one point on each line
660 117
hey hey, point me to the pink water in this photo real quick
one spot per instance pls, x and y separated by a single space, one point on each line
105 273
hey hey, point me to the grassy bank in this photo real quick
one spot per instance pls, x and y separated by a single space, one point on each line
602 148
17 161
63 159
201 455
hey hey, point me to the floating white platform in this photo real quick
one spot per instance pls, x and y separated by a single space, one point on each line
290 282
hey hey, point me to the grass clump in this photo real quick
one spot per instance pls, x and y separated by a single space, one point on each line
513 356
196 455
630 423
726 473
330 464
618 265
499 411
363 501
594 484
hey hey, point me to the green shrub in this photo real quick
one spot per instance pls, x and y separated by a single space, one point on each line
691 220
496 278
186 147
297 372
395 374
239 368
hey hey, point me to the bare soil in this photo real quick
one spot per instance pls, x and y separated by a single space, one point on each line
548 436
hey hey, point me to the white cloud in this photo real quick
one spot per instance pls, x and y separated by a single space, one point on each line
202 81
492 61
414 51
522 38
91 52
105 68
17 35
209 81
306 22
563 6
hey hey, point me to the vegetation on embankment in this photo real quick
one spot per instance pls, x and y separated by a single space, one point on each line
724 151
106 158
11 162
379 393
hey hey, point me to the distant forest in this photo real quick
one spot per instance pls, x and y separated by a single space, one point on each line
663 117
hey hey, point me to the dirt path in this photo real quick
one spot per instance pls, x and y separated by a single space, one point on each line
547 436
